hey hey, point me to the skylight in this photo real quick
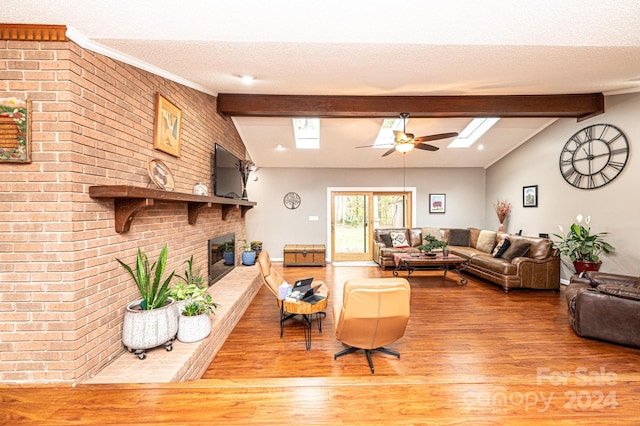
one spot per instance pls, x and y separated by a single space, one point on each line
307 133
385 135
472 132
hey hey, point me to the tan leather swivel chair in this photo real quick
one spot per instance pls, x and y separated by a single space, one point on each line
272 280
374 313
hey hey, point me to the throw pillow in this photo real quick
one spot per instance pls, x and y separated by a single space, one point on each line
459 237
386 239
501 247
399 239
517 248
474 233
486 241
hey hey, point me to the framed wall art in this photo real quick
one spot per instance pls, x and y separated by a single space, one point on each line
15 130
530 196
437 203
168 125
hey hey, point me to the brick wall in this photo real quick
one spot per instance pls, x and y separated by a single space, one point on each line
62 293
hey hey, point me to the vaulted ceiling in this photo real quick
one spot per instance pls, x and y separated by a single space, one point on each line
366 48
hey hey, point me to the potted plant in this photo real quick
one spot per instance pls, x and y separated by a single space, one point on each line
248 255
256 246
194 323
229 253
189 286
431 243
581 246
150 321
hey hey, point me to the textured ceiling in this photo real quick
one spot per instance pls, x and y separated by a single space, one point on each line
410 47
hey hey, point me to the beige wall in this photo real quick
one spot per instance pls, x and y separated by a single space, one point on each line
276 225
62 293
613 208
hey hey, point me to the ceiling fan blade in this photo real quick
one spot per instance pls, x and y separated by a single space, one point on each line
391 151
426 147
376 146
436 137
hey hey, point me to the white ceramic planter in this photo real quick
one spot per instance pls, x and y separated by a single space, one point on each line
194 329
144 330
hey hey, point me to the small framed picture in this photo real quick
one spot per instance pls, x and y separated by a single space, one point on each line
168 125
437 203
530 196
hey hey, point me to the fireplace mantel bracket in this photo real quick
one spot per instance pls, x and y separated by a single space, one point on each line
129 200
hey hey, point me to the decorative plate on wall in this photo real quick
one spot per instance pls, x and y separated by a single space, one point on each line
291 200
160 175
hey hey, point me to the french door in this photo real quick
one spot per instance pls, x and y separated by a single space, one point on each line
354 216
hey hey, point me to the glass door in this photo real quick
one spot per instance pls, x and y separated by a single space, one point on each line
350 227
355 215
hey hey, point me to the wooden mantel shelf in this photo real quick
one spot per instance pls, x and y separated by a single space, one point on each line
129 200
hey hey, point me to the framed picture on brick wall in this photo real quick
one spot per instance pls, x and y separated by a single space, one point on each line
15 130
168 125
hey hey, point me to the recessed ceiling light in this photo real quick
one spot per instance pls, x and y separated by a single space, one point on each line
280 148
247 79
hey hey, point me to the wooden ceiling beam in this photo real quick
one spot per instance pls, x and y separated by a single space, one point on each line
33 32
580 106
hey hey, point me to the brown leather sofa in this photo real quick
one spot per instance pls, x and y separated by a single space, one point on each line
605 306
537 267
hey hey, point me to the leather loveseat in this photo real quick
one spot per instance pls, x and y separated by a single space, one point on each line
605 306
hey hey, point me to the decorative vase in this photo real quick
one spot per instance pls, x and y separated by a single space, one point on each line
248 258
200 188
146 329
194 328
501 228
586 266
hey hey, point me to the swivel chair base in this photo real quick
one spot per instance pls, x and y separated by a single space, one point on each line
367 352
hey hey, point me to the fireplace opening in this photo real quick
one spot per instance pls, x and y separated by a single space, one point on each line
222 256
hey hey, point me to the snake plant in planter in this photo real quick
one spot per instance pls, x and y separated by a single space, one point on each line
151 321
581 246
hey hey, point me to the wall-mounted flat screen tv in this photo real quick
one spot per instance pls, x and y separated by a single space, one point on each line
227 176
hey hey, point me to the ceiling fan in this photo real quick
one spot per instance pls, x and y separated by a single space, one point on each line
405 142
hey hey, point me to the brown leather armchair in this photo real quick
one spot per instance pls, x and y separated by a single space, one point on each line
374 312
605 306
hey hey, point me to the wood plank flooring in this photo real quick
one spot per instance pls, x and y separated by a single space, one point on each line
470 355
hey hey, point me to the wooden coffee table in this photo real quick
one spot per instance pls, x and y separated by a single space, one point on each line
421 262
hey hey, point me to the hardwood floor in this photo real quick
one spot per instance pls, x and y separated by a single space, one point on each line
470 355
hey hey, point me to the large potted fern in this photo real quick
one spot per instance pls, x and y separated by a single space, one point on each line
151 321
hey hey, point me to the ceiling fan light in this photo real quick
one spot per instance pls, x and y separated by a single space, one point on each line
404 147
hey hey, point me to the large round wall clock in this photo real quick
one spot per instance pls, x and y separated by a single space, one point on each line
291 200
594 156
